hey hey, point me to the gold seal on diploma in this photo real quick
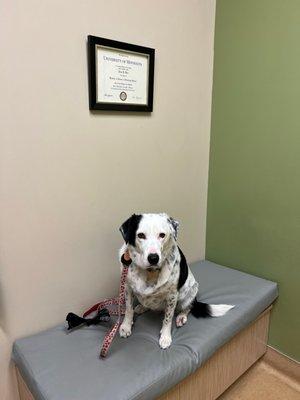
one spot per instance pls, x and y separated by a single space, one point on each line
123 96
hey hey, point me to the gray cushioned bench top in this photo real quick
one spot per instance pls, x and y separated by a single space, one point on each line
60 366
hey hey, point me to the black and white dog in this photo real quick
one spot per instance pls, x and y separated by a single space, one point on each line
159 276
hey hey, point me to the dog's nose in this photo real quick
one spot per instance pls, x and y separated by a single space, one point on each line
153 258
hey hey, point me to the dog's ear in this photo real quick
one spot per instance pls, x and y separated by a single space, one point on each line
129 228
174 224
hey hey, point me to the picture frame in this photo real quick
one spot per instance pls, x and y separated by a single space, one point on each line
121 75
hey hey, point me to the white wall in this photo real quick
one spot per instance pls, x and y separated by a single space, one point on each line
70 177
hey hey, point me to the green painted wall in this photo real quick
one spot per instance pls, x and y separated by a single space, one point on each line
254 181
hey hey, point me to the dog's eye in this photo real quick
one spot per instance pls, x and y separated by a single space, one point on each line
162 235
141 236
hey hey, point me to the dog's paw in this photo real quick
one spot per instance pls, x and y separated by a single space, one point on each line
181 320
139 309
125 330
165 341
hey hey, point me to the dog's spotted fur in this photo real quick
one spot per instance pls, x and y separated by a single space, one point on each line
169 285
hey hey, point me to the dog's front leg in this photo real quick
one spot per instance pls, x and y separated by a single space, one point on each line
126 326
165 339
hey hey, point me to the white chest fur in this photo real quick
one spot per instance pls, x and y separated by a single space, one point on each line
152 293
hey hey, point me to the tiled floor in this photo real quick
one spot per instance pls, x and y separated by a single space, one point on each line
262 382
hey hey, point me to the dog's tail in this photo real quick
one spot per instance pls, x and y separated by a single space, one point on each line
209 310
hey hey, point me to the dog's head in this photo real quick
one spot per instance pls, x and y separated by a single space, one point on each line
150 238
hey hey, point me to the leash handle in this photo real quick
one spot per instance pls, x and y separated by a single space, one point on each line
103 304
121 301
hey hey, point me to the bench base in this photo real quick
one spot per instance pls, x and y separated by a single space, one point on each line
217 373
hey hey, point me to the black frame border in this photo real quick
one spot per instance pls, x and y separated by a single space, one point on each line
93 105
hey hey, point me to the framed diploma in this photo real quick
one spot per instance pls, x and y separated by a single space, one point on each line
121 75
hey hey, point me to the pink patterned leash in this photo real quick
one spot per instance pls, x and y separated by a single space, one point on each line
120 302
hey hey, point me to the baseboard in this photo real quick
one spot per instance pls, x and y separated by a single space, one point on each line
281 354
281 364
